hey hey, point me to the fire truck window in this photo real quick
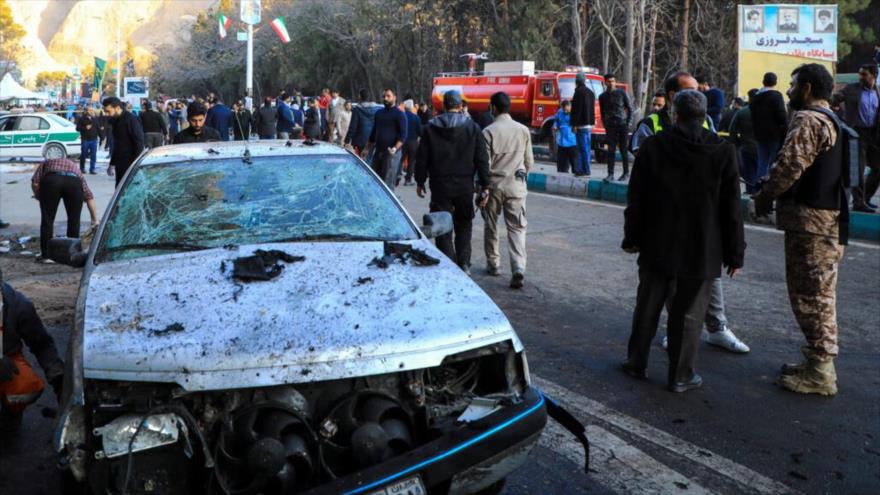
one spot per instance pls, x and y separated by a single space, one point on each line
597 87
547 89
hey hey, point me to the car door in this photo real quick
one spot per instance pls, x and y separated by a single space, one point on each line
7 125
31 132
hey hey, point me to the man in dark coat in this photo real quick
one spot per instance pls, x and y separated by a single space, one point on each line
264 120
128 136
451 151
770 119
219 118
616 114
583 118
363 116
198 131
861 110
241 122
19 385
683 217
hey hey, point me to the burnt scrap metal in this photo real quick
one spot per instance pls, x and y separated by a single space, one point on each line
396 251
174 327
262 265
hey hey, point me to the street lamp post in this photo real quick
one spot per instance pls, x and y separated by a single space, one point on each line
118 67
249 83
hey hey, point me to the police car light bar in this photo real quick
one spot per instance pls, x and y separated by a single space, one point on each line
585 70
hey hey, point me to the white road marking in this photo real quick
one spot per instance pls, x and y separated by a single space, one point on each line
582 406
618 465
758 228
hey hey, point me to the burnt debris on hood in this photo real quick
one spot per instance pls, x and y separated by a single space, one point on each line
395 251
262 265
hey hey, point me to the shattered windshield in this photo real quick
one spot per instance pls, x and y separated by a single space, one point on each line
212 203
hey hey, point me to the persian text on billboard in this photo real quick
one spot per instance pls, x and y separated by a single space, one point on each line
807 31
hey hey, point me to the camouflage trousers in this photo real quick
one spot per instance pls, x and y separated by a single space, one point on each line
811 275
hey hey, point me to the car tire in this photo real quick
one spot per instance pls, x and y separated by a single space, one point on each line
54 151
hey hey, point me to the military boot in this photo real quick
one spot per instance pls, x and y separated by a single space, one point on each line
816 377
795 368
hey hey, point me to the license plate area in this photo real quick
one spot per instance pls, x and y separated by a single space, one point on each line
408 486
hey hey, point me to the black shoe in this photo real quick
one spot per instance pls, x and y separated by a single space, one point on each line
516 282
863 209
679 387
634 372
623 177
493 271
3 225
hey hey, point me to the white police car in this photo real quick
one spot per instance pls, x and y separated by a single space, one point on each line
37 134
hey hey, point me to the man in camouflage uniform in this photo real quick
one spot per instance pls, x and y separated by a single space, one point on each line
812 244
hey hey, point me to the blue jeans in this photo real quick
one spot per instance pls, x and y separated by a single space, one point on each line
766 154
583 144
90 149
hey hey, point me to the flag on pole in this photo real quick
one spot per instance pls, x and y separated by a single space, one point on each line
281 29
98 79
223 23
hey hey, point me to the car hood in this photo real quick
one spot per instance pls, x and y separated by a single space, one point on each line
181 318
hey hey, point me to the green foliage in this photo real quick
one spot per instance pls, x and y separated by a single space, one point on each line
50 78
10 37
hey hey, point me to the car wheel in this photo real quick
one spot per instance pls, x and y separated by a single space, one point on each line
54 152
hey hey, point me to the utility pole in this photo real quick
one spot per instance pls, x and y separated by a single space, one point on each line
684 37
250 14
118 56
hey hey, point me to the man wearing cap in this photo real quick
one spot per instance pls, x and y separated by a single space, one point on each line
19 384
451 151
583 117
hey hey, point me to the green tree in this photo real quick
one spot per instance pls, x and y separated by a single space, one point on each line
47 79
11 33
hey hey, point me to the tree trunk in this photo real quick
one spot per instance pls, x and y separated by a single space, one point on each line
630 38
578 33
686 7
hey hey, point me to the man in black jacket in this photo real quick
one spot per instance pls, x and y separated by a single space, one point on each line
616 117
770 121
683 217
861 110
88 128
264 120
155 129
128 137
197 132
583 118
19 385
451 151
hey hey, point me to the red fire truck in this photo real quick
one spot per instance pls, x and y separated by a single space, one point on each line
534 95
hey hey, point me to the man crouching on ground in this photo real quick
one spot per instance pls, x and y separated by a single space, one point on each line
19 385
683 218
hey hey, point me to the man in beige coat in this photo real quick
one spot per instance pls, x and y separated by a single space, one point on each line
510 157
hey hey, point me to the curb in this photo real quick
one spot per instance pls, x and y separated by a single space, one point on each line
862 225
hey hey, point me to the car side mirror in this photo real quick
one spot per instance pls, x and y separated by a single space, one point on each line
436 224
67 251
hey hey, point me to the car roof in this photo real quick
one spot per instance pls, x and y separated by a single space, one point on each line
235 149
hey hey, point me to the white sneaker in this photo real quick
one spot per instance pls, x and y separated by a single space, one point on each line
724 338
664 343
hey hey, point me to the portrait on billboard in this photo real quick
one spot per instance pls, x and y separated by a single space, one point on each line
787 20
754 21
824 21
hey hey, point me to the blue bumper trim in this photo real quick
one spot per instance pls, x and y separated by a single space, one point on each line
453 450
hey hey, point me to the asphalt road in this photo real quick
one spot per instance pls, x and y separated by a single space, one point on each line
738 434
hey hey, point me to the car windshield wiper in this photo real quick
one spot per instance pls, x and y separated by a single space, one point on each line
329 237
180 246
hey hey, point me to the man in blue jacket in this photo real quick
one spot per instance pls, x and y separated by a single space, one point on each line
363 115
219 118
285 116
714 100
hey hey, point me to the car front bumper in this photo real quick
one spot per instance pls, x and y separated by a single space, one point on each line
468 459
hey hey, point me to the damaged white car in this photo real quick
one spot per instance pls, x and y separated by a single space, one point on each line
269 320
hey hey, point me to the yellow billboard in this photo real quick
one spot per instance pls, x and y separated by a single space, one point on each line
779 37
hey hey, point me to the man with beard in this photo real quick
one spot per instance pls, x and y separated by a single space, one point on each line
388 136
197 132
807 183
128 137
